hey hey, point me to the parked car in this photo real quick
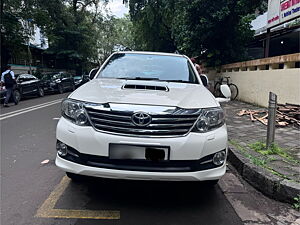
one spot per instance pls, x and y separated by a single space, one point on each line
26 85
145 116
58 82
80 80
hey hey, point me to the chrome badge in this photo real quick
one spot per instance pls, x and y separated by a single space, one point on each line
141 119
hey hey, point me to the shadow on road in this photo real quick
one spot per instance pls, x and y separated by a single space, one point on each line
149 202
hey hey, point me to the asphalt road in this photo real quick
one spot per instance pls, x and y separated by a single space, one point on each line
34 193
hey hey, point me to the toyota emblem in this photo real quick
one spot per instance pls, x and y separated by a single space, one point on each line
141 119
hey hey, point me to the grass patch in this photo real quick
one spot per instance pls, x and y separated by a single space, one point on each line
296 204
274 149
259 161
253 159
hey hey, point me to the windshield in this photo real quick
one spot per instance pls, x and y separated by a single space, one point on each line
50 76
149 67
77 77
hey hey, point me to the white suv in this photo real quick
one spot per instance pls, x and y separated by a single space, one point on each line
144 116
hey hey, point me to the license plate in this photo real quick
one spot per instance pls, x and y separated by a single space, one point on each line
152 153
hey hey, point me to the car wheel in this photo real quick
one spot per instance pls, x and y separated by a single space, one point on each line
211 183
74 177
60 89
41 92
17 95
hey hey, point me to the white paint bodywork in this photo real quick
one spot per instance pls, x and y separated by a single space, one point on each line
183 95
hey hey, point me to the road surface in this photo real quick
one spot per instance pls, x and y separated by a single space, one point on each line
40 194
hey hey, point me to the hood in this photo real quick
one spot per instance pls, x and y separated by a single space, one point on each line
182 95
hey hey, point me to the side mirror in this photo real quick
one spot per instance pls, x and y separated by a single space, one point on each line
204 80
92 73
226 92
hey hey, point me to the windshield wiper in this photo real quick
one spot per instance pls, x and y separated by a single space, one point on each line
138 78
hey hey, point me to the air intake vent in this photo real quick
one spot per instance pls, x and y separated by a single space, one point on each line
145 87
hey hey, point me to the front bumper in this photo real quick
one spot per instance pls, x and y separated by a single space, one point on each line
212 174
192 147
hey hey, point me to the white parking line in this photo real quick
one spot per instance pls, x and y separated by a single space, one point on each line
28 109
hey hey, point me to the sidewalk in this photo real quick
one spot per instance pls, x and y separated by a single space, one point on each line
246 138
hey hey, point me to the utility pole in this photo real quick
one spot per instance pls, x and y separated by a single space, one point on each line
271 119
28 45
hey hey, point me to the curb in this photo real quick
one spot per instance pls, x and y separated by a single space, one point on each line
272 186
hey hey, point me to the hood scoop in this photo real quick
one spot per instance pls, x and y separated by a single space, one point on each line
145 87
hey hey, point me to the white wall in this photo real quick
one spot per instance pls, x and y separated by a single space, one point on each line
254 86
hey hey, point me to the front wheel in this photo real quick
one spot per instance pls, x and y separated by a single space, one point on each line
234 91
211 183
17 95
41 92
60 89
74 177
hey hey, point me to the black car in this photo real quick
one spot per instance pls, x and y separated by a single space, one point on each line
26 85
80 80
58 82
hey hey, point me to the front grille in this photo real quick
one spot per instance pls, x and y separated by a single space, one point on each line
120 122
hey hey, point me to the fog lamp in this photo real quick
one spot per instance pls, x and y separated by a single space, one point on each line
219 158
61 148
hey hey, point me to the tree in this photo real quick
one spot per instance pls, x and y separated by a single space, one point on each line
13 32
152 25
216 30
113 32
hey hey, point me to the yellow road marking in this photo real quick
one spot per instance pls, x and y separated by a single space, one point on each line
47 209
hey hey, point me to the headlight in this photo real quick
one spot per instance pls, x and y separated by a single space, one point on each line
74 111
209 119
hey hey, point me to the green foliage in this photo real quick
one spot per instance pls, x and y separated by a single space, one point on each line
215 30
274 149
296 205
77 30
259 161
152 22
112 32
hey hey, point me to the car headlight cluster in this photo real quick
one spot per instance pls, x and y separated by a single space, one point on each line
74 111
209 119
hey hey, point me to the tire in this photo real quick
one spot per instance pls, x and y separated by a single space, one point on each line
211 183
41 92
60 89
234 91
217 91
74 177
17 95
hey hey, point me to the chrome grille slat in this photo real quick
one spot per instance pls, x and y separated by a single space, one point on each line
112 116
131 125
164 120
139 131
120 122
